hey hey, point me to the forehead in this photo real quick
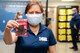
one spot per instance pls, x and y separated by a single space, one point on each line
74 9
35 8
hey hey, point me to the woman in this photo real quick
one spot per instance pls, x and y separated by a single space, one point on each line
18 15
40 39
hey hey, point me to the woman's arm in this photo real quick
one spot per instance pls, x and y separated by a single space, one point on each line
52 49
10 37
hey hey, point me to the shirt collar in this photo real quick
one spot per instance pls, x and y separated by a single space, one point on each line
42 28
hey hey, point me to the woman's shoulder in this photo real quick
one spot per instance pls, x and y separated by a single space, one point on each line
45 27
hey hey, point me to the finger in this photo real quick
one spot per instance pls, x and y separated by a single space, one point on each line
15 23
9 26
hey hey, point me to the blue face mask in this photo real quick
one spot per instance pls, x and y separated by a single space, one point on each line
34 19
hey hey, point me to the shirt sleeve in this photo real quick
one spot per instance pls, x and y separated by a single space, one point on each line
52 40
78 21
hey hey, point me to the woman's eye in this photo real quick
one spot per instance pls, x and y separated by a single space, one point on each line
38 12
34 12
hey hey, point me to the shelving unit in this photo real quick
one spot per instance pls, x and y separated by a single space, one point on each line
63 18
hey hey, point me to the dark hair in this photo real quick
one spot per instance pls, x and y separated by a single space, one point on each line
30 4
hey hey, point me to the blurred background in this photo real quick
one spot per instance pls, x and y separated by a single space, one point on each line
59 13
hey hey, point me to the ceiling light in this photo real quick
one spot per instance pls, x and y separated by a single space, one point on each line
67 0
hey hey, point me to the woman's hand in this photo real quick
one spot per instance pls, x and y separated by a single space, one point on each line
10 37
11 24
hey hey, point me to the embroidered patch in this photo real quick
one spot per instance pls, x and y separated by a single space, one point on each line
42 38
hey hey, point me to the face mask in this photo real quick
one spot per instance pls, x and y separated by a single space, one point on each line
34 19
19 17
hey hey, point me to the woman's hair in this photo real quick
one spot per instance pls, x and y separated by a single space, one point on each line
30 4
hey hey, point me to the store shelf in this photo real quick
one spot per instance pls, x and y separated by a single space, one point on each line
63 23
